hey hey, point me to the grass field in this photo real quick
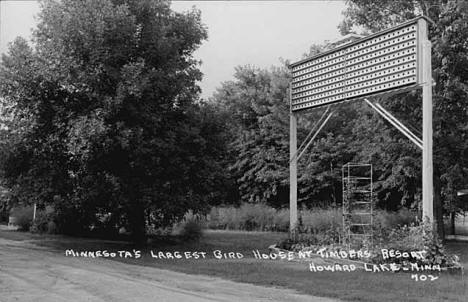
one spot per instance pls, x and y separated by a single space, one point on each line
351 286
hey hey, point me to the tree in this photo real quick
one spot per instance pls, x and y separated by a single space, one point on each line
255 108
448 34
105 119
356 133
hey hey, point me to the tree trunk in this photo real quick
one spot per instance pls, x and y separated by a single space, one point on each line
136 219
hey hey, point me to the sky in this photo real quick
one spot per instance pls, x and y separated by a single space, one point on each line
257 33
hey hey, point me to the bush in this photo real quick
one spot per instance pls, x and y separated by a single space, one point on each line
51 227
23 217
385 222
420 237
44 222
5 198
191 228
392 220
71 221
192 231
403 238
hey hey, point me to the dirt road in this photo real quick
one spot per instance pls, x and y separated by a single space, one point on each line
31 273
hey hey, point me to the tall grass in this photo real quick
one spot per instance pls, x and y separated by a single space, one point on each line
260 217
320 220
250 217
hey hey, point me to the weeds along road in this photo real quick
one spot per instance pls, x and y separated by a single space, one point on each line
32 273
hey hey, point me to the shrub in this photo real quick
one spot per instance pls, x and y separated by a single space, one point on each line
385 222
71 221
44 222
420 237
39 225
5 198
51 227
191 228
23 216
392 220
192 231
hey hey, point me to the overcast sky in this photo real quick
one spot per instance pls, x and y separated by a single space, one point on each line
240 32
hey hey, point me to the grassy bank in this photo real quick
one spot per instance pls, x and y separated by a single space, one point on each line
351 286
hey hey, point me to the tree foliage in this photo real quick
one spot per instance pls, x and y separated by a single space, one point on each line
448 34
256 111
104 121
101 118
356 133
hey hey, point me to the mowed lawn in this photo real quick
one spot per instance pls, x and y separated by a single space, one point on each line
351 286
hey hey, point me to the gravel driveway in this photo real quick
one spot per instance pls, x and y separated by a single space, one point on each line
32 273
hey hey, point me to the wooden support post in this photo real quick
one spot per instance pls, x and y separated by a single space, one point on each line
427 163
292 172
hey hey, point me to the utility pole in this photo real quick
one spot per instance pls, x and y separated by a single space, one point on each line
427 162
292 169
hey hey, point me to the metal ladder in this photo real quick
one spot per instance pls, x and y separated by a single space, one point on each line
357 205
